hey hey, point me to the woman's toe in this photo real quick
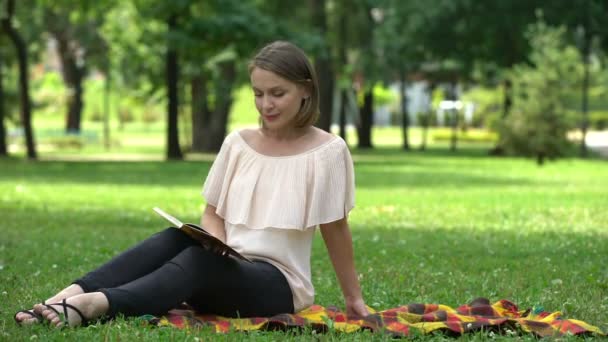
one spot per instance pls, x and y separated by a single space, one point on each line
30 320
39 308
56 322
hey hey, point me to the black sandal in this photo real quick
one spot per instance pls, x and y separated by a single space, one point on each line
83 321
32 313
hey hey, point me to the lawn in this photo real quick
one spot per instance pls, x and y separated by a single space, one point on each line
428 227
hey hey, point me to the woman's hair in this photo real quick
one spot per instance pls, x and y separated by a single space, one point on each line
290 62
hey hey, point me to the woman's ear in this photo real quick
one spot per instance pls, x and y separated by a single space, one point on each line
306 89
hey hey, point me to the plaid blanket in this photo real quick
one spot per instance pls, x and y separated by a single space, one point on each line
501 317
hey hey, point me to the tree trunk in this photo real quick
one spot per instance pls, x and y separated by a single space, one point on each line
365 123
425 130
172 69
540 158
427 118
75 105
585 89
24 94
342 119
326 90
404 114
200 111
73 76
106 110
454 117
215 130
343 62
323 67
508 98
3 145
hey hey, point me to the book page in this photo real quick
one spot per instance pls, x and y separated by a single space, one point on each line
168 217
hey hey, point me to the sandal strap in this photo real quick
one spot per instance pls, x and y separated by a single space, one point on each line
48 306
65 306
32 313
83 320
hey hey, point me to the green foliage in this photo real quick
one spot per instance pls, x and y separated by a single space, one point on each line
598 120
437 96
488 105
539 120
150 115
48 94
243 111
384 96
426 119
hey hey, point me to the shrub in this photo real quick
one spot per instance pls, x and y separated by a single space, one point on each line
598 120
96 116
125 115
427 119
539 121
150 115
67 141
488 105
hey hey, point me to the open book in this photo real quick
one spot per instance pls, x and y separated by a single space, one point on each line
201 235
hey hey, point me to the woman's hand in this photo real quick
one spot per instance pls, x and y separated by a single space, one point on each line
356 309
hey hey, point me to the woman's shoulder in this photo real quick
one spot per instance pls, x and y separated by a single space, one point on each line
320 137
335 143
246 133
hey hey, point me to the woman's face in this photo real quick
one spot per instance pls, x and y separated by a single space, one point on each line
277 99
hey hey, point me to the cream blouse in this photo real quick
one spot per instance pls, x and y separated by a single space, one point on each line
271 205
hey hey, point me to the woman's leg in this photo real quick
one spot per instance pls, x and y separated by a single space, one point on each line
137 261
210 282
255 289
131 264
206 280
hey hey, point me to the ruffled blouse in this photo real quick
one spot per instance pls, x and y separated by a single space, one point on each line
271 205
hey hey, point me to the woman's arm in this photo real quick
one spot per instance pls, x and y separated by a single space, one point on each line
339 245
213 223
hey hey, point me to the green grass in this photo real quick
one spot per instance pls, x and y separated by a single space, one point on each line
428 227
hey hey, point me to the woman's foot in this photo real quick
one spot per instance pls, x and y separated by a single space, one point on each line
29 317
74 311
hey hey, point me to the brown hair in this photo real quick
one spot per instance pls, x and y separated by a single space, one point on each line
290 62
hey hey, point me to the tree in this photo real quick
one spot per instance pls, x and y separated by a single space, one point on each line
3 147
539 122
368 65
469 32
24 95
323 65
170 15
344 82
172 74
212 81
401 47
75 27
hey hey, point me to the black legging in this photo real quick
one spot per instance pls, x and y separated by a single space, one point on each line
170 267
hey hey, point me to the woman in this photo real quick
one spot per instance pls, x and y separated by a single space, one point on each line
266 192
